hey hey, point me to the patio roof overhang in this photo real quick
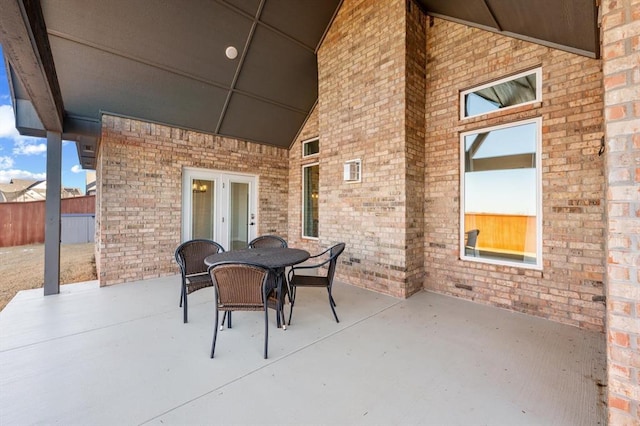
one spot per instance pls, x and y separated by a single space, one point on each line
70 62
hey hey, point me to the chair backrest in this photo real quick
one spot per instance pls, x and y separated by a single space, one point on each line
334 252
267 241
190 255
239 285
472 238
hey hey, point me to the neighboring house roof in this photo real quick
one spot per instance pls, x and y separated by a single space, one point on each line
21 190
19 184
71 192
90 188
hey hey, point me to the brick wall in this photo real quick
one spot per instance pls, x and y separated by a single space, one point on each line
362 114
621 61
139 200
415 115
573 254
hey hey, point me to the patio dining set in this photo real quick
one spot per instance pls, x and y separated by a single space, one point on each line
254 278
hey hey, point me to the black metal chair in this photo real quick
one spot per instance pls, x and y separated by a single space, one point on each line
240 286
267 241
328 259
190 257
472 240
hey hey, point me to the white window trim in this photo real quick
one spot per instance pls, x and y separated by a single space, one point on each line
463 256
349 165
317 138
307 237
536 71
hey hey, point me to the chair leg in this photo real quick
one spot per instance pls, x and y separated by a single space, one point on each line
284 320
280 289
183 299
332 303
215 334
292 299
285 293
224 317
266 330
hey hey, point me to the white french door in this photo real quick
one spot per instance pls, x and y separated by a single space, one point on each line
219 206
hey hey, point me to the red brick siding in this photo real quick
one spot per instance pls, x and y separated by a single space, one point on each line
460 57
621 59
362 114
139 192
415 116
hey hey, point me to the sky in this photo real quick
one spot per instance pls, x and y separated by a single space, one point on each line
24 157
503 191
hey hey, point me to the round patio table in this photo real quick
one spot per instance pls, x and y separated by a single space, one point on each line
275 258
270 257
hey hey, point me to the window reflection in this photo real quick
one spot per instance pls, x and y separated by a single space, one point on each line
202 209
517 90
500 192
310 147
311 186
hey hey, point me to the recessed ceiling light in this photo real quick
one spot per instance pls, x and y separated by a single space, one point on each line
231 52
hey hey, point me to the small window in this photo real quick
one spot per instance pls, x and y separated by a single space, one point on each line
519 89
310 147
501 202
310 195
352 170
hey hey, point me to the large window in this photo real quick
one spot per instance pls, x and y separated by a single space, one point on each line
501 183
310 187
519 89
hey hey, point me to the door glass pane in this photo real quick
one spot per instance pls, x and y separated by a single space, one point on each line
202 211
239 215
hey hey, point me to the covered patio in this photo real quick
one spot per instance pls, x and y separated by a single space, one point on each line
152 98
121 355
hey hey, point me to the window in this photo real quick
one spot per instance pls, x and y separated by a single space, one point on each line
310 187
352 170
310 147
501 187
519 89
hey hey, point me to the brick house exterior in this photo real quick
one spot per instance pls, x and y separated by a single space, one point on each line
389 80
138 203
621 68
572 175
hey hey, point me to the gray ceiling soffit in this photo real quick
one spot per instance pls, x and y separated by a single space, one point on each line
570 25
163 61
266 122
166 64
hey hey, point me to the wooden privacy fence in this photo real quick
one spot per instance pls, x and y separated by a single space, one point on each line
23 223
503 233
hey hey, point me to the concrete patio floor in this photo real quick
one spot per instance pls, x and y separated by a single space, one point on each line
121 355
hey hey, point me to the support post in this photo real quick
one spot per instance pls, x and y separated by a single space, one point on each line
52 214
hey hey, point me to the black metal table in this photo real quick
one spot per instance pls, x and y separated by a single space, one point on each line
275 258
